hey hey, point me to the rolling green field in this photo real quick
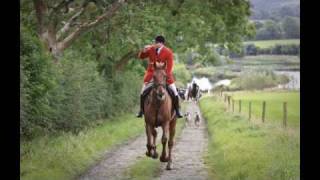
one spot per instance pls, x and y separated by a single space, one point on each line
274 105
269 43
274 62
66 156
242 150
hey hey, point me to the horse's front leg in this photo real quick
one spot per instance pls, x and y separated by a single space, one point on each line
164 140
149 140
171 142
154 143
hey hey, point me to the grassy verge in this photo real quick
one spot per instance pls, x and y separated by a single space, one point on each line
66 156
274 105
269 43
240 150
147 168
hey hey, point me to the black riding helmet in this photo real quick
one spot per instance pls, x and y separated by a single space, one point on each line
160 39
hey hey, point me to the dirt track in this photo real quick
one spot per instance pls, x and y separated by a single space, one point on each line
187 155
188 151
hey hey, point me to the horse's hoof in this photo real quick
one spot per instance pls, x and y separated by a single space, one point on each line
155 155
148 154
163 159
169 166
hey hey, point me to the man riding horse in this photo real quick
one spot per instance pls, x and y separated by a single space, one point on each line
159 53
195 89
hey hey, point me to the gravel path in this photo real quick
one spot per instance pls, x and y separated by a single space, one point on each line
187 155
117 161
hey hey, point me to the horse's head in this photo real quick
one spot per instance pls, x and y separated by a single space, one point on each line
160 78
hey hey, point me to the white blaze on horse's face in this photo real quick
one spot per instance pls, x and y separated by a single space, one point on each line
160 83
161 98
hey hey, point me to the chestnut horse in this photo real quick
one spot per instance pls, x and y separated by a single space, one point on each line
159 112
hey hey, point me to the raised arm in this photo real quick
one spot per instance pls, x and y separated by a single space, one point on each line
144 53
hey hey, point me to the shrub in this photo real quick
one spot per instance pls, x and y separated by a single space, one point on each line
70 95
277 49
251 49
213 58
181 74
206 71
36 79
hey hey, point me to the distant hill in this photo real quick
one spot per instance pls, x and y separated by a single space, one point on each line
266 9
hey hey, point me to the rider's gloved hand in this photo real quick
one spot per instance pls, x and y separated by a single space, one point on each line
146 48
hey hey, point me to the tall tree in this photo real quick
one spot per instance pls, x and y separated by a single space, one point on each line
59 24
185 23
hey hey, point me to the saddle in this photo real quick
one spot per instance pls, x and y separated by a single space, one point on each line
148 90
170 92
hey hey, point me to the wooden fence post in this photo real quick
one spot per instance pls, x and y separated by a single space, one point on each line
239 105
225 98
263 110
229 102
232 105
249 110
285 114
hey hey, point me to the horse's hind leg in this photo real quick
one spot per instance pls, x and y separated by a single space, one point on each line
171 142
164 140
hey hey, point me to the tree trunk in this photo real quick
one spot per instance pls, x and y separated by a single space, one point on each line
47 24
125 59
49 39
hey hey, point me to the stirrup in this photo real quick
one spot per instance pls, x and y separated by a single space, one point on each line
178 114
140 114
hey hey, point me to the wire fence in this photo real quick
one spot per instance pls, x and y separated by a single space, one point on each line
231 103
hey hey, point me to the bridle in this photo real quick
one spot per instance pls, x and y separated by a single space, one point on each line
163 84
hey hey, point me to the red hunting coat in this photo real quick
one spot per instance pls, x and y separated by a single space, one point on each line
165 56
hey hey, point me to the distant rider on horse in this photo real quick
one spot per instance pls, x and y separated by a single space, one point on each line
195 86
158 52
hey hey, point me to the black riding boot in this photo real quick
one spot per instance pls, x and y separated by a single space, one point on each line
177 106
140 114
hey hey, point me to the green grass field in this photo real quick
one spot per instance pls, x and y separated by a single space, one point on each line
269 43
270 59
274 105
66 156
241 150
275 62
